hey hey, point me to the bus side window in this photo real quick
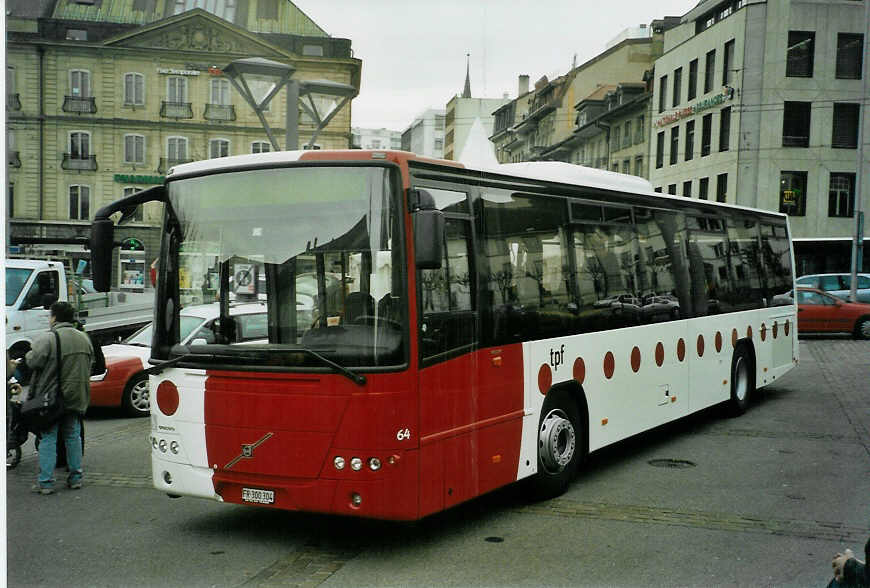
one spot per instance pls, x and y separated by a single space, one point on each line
661 270
447 295
745 267
529 274
776 258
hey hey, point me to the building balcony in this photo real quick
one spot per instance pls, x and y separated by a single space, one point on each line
79 104
176 109
221 112
13 102
79 162
166 163
13 159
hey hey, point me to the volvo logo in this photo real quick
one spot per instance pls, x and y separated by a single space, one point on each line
248 451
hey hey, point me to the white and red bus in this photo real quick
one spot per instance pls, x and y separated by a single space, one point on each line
434 332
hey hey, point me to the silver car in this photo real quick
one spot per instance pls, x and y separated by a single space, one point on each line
837 284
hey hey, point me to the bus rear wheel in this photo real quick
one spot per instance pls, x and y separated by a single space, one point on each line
560 445
742 380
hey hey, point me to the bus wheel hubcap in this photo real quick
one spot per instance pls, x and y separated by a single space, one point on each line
556 441
741 384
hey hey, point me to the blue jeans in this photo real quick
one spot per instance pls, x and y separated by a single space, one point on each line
70 427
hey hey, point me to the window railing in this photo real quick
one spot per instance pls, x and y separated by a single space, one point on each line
79 162
13 102
79 104
176 109
13 159
219 112
166 163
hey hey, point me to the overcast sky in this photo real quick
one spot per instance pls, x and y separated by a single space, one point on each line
413 52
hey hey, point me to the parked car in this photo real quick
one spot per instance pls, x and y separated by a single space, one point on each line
123 383
837 284
662 307
820 312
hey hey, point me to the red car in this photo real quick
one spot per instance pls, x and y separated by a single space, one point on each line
819 312
123 383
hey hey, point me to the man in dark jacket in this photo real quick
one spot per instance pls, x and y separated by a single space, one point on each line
76 357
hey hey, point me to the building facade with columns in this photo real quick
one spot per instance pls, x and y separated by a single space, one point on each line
104 97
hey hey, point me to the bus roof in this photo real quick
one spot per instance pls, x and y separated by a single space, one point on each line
551 171
545 171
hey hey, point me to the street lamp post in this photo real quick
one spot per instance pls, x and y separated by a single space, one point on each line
259 80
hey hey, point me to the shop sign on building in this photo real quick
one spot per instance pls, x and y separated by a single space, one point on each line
133 179
727 93
177 72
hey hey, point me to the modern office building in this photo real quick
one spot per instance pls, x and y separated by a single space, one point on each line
758 103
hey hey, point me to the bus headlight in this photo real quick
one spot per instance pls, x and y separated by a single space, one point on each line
374 464
338 462
355 464
162 445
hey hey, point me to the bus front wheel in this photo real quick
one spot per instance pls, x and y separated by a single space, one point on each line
742 380
560 445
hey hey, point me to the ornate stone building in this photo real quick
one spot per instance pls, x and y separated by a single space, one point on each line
104 96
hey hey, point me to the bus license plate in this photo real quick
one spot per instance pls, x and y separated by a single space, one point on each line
258 496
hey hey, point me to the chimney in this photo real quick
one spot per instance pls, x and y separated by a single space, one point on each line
523 87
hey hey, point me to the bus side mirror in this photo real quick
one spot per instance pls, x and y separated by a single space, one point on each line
428 238
103 233
102 242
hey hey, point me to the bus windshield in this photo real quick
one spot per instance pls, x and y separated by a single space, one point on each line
318 247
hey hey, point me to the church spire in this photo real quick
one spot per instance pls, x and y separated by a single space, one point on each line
466 92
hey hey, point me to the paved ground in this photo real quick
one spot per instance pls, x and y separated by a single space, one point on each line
761 500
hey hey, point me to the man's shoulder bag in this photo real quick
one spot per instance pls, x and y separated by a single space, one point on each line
43 408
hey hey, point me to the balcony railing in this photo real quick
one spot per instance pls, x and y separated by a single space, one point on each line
166 163
79 162
176 109
79 104
220 112
13 102
13 159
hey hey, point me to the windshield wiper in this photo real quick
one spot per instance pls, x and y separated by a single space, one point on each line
356 378
156 369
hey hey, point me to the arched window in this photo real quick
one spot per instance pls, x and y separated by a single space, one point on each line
79 145
134 89
134 149
79 202
176 148
80 83
261 147
218 148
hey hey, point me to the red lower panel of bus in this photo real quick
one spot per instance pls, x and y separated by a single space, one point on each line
390 495
282 432
471 411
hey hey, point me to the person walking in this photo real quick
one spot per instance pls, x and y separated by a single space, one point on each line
76 358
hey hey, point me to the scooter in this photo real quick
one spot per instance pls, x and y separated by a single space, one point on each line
16 431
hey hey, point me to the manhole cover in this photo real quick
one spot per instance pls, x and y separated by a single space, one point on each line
671 463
